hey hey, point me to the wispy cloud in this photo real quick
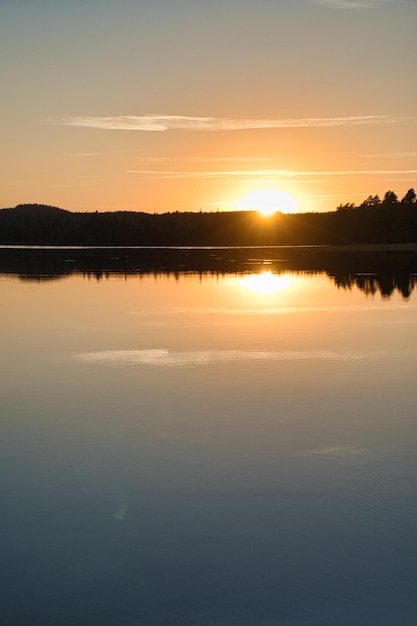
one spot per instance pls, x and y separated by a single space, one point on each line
82 155
208 159
160 122
170 174
391 155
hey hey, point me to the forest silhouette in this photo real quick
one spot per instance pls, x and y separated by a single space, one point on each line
375 221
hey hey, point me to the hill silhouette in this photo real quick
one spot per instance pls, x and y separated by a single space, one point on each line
375 221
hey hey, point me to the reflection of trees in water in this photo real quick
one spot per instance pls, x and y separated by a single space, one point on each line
385 284
370 271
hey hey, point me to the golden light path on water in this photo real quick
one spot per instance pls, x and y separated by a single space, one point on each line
266 282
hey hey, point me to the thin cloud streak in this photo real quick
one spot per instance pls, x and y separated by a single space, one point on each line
160 122
208 159
169 174
391 155
82 155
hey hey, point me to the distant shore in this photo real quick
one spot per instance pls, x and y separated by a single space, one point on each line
341 248
384 224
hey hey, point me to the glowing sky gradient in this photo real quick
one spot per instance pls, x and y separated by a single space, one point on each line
187 105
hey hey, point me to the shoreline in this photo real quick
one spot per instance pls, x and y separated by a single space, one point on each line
362 247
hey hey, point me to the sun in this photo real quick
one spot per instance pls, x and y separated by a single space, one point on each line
267 202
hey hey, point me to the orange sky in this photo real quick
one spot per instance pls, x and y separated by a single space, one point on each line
178 105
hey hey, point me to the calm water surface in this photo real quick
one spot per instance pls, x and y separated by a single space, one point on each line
214 450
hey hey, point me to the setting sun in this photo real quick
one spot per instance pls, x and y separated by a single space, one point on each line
267 202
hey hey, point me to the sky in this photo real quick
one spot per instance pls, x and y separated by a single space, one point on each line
191 105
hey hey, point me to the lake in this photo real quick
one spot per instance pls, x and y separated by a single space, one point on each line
213 437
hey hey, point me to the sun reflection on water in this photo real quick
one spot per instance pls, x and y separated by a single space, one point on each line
266 282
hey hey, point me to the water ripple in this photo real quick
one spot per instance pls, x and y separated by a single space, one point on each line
389 495
167 358
336 451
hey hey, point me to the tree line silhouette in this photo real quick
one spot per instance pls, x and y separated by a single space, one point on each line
374 221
